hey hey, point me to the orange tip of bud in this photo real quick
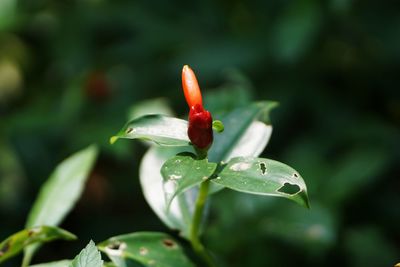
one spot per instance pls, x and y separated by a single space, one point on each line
191 87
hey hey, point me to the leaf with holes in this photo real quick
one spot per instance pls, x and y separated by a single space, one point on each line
263 177
162 130
89 256
245 135
248 138
40 234
183 172
60 192
179 215
148 248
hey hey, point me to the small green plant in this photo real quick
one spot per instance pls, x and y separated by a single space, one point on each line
179 174
189 164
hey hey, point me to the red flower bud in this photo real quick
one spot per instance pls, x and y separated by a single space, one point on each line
200 127
200 121
191 87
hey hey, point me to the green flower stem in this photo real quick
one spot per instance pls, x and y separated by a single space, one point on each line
195 227
26 260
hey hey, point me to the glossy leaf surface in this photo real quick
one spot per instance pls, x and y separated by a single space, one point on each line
148 248
248 139
263 177
162 130
236 136
245 135
40 234
178 216
183 172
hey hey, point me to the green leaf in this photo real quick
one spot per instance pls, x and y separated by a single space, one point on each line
163 130
148 248
178 217
60 192
263 177
18 241
89 256
244 135
62 263
252 142
248 139
236 137
183 172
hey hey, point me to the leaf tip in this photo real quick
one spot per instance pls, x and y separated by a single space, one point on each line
274 104
113 139
71 237
307 204
304 199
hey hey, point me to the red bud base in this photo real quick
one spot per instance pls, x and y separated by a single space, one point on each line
200 127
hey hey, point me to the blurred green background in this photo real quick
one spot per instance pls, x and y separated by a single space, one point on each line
70 72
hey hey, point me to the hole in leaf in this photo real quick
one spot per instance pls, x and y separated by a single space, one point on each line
263 167
290 189
115 245
168 243
5 248
129 130
116 248
295 175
